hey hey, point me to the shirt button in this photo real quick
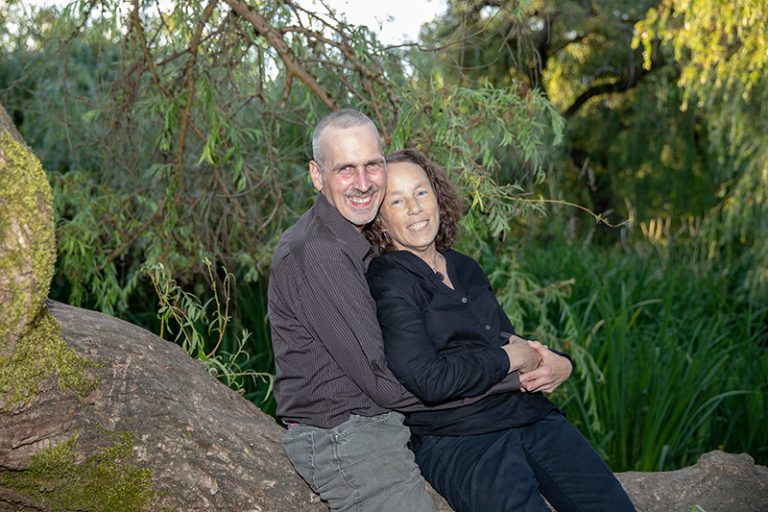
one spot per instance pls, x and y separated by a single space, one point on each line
487 327
464 300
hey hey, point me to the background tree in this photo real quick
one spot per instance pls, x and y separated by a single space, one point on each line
721 51
627 139
177 138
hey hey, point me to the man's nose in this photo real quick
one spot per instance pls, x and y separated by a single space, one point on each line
362 181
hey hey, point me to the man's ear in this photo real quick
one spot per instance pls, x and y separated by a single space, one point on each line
315 174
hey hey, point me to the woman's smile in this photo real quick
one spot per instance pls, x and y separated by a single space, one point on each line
410 212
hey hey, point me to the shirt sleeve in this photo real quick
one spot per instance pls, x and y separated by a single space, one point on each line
505 335
431 375
344 319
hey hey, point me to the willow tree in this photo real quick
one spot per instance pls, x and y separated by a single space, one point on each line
630 152
179 132
721 47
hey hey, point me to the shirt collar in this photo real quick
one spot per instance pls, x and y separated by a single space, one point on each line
416 265
343 230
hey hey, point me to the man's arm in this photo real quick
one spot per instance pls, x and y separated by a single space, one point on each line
467 370
351 334
553 371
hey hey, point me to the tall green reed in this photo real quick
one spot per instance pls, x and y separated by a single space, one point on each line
676 363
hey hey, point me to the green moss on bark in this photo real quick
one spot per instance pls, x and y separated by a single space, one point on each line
31 346
108 481
40 352
27 241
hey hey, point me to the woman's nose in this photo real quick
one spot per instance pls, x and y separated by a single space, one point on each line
413 207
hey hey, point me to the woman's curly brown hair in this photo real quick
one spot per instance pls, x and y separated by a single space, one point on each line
447 198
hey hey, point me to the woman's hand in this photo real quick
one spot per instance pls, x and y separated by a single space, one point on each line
522 356
553 371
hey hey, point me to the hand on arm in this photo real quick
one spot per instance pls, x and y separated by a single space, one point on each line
434 374
553 371
522 356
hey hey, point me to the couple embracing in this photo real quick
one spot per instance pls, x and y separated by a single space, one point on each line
394 360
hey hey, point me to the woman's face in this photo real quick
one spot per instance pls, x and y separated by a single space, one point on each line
410 212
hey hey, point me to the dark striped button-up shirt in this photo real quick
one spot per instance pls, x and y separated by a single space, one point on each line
328 349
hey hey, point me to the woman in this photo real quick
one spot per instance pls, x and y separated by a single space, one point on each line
447 337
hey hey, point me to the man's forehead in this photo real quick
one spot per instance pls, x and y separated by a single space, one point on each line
337 133
348 142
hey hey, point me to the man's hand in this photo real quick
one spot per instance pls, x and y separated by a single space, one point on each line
522 356
553 371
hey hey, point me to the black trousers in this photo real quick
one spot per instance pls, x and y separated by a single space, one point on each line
508 470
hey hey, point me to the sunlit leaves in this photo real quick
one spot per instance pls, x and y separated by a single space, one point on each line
722 48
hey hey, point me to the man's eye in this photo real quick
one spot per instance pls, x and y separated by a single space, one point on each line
421 193
373 166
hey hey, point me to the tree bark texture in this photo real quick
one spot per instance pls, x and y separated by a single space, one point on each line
208 449
27 241
719 482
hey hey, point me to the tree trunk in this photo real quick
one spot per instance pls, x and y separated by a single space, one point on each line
206 448
27 243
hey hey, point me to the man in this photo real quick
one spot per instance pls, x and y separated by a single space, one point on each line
333 388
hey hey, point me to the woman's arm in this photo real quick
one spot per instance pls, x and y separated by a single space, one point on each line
428 374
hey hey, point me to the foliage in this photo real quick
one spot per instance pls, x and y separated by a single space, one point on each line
721 48
203 137
198 324
186 130
617 156
679 354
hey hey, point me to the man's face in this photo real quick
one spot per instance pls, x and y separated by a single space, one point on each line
353 175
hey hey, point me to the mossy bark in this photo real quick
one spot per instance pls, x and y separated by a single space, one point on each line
107 481
27 242
41 466
31 348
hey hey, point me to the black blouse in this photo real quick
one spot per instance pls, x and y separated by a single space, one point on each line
445 343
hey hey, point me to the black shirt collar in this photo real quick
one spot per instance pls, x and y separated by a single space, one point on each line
418 266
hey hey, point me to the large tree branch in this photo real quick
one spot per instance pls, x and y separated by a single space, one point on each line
635 76
292 64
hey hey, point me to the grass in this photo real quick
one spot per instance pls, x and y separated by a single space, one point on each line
676 365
